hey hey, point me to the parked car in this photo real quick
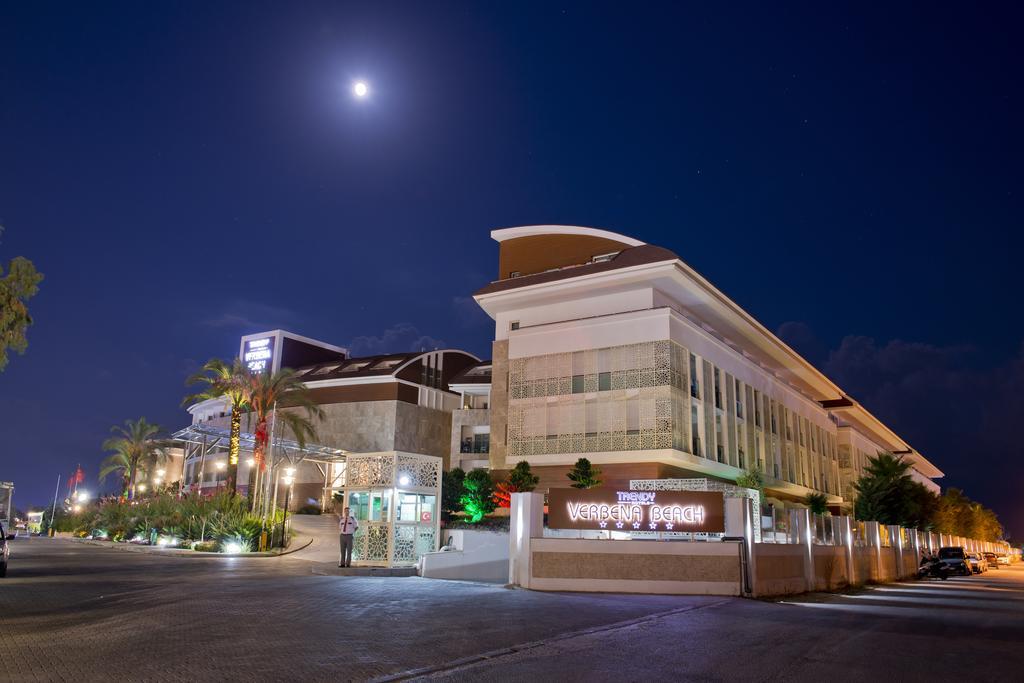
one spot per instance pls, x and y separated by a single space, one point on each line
978 564
1003 559
991 560
5 549
956 558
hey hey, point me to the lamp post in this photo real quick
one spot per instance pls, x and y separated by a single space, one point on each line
289 478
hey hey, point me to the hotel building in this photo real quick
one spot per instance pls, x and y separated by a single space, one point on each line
391 404
615 350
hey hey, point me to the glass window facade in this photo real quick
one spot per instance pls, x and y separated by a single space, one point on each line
649 396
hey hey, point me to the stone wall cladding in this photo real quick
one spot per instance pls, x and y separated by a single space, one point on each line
499 405
419 429
365 427
568 565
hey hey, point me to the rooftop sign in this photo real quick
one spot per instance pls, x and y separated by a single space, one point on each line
258 354
686 511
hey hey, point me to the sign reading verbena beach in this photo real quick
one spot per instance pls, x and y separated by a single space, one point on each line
686 511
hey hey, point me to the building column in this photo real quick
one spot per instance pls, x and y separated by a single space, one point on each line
526 523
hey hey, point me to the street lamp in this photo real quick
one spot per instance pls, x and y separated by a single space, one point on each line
140 488
160 473
251 462
288 479
82 496
222 465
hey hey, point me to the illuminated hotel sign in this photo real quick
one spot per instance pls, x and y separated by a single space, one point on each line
258 354
686 511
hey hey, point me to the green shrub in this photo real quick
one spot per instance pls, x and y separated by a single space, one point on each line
478 495
207 547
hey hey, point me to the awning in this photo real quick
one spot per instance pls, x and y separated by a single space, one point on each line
218 437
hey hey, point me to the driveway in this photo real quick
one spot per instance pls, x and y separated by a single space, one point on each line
75 612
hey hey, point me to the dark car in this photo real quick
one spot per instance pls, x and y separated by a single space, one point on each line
990 558
5 550
956 558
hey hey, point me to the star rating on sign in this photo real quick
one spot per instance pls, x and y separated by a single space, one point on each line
603 524
669 525
653 525
636 525
618 525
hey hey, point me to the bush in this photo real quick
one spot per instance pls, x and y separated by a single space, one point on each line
206 547
219 518
309 510
478 495
452 490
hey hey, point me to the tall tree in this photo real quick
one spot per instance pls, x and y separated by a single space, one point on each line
232 383
134 447
283 389
17 286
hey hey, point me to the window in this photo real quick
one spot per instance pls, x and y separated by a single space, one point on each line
757 409
633 416
775 424
694 382
514 273
719 446
577 384
694 429
743 465
604 381
601 258
514 325
739 400
718 389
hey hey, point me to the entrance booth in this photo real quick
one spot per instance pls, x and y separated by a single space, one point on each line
395 496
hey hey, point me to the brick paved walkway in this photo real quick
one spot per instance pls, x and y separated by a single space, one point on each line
71 612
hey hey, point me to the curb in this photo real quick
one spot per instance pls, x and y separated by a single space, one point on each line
179 552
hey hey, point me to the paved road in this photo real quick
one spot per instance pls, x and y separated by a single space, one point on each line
75 612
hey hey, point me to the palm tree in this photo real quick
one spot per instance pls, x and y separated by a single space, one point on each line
133 448
265 392
233 383
882 489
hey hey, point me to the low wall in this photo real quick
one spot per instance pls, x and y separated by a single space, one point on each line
863 564
830 571
558 564
779 569
475 556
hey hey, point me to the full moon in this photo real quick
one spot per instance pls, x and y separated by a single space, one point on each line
360 89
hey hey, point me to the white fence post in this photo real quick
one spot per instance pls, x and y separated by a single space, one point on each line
844 537
800 522
526 522
874 540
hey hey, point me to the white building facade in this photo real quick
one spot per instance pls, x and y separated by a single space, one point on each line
617 351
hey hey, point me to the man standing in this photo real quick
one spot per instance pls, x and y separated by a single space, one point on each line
347 526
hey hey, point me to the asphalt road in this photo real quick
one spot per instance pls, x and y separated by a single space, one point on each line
75 612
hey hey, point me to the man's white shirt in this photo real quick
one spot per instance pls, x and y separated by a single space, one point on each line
348 525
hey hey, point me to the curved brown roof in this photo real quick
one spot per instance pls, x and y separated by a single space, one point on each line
630 256
480 373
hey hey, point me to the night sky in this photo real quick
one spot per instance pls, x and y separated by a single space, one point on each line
187 173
